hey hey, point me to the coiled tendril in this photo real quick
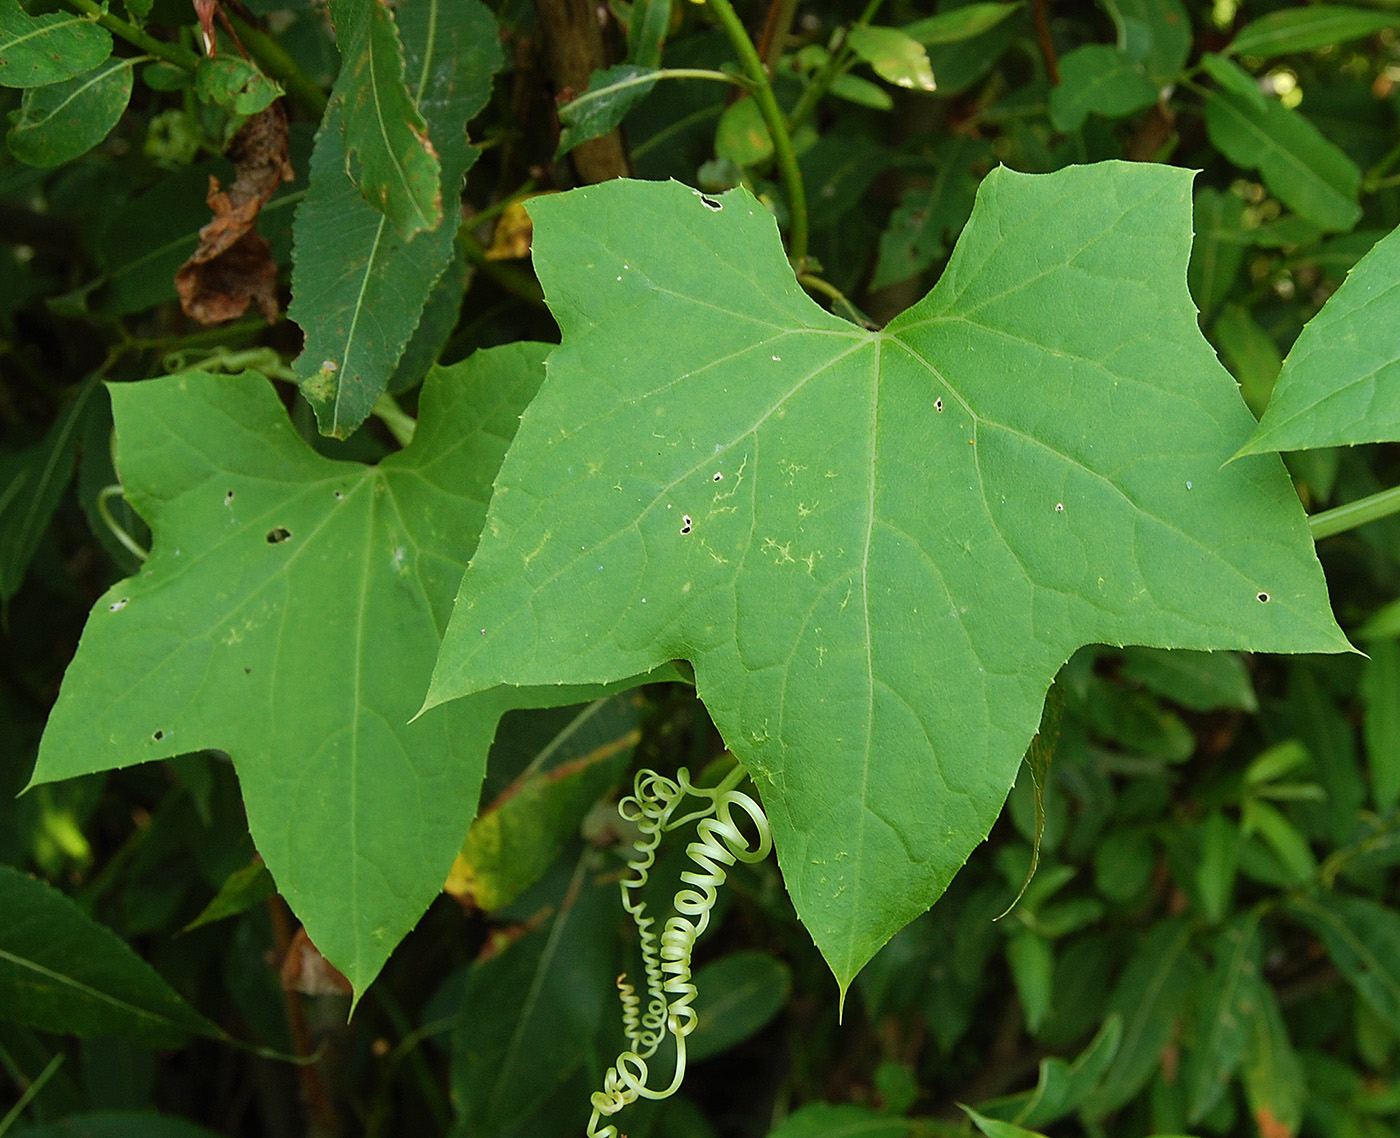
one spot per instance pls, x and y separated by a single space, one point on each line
652 807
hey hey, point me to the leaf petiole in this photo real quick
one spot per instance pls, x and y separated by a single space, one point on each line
1371 508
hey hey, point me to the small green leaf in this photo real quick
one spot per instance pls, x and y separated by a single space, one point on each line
116 1124
1032 963
1227 1004
738 995
1234 79
860 91
1307 172
996 1128
37 50
249 886
959 24
57 123
1154 33
1062 1086
1281 836
1363 940
1201 681
1215 873
823 1120
742 135
874 614
1380 694
1306 28
646 33
1099 79
386 135
359 289
32 485
231 82
896 56
1340 384
610 95
60 971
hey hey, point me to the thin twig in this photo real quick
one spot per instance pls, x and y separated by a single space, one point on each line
1042 37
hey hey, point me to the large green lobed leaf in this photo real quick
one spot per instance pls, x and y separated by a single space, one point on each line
289 614
1340 384
877 548
358 287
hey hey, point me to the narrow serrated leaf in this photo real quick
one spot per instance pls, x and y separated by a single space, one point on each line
1031 459
37 50
610 95
359 288
389 154
1340 384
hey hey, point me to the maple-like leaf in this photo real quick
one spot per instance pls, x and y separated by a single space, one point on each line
877 548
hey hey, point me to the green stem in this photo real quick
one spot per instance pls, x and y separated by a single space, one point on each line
839 298
30 1092
1371 508
400 423
270 56
767 104
180 57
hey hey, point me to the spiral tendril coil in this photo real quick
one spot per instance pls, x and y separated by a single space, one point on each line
652 807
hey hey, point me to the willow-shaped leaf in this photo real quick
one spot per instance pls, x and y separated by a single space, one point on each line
59 122
1340 384
877 548
36 50
289 614
395 164
359 288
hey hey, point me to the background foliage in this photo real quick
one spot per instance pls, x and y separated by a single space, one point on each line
1210 943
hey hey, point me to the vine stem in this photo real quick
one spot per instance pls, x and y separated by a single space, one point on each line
1371 508
776 123
173 54
841 60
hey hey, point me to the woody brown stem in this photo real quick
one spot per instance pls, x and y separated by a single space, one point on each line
573 41
1040 8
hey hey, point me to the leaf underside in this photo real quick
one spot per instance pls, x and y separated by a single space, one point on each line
877 548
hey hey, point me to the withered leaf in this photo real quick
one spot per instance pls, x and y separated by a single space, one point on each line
233 264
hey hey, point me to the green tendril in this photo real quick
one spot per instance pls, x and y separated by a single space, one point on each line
652 807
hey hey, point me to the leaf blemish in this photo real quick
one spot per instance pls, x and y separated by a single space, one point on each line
685 523
117 606
228 498
711 203
1263 598
158 736
719 477
278 534
1059 507
938 404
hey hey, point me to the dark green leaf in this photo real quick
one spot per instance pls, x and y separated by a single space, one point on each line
738 995
646 33
62 972
32 485
692 500
1307 172
116 1124
530 1014
1215 873
1274 1081
1149 996
821 1120
996 1128
1102 80
57 123
1032 964
1250 353
1380 692
1233 78
395 163
36 50
1228 1001
233 83
1155 33
610 95
1341 382
1305 28
742 136
1063 1086
358 289
1363 940
1218 251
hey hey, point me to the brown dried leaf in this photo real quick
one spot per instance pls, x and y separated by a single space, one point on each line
233 264
305 970
205 10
